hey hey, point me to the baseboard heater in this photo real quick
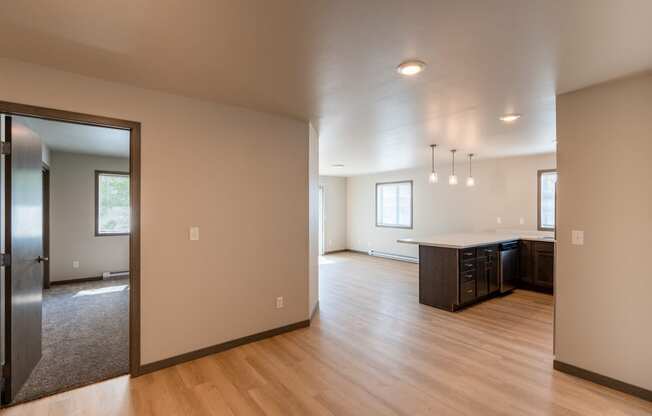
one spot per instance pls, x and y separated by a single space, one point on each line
110 275
383 254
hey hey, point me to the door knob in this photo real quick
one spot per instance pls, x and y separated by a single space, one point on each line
41 259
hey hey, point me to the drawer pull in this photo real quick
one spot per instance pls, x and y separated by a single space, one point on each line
469 291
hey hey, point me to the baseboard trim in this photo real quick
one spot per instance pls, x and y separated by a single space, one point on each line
80 280
344 250
314 310
603 380
193 355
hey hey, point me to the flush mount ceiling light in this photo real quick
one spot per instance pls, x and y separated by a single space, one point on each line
411 68
510 118
433 178
452 180
470 181
337 165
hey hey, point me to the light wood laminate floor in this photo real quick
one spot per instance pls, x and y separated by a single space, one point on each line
371 350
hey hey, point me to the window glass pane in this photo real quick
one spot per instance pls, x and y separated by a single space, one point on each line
113 200
394 204
547 199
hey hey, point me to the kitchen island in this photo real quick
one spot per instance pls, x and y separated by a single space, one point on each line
457 270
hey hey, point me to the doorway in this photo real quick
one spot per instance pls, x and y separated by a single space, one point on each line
322 229
26 186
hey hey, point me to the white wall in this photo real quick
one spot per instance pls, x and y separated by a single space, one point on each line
313 185
604 287
240 175
72 218
335 212
505 188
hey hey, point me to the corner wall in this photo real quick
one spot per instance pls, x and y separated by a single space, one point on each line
604 287
240 175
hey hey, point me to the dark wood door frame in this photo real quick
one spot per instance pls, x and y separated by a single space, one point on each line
134 184
46 225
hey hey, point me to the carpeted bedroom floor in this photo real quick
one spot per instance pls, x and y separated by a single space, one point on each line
85 337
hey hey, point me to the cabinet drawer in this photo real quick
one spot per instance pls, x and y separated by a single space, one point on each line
488 251
467 292
467 265
544 246
467 254
467 276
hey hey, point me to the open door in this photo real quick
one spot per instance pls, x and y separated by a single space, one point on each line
22 259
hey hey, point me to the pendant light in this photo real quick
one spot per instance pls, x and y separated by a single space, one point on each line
470 181
452 180
433 178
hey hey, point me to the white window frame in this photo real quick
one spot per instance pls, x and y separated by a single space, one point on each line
379 217
540 174
98 175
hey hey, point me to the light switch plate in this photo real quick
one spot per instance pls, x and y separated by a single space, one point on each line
577 237
521 220
499 220
75 264
194 233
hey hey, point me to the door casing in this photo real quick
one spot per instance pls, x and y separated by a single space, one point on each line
134 128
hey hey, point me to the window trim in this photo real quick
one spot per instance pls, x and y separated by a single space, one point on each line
539 174
99 173
404 227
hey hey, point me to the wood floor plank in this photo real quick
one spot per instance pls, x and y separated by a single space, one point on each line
372 349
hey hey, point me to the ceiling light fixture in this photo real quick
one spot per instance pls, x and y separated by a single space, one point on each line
433 178
452 180
470 181
510 118
411 68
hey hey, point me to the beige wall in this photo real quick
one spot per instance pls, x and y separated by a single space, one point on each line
335 211
240 175
72 218
505 188
604 287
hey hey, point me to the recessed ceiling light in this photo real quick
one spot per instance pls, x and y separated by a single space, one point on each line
337 165
410 68
510 118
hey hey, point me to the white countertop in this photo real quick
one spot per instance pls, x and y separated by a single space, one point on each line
464 240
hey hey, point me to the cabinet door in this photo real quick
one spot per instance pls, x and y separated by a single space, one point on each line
544 265
525 261
492 273
482 284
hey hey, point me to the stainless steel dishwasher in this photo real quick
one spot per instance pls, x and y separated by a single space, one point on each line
508 272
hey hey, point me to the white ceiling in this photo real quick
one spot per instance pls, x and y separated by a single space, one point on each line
79 138
332 62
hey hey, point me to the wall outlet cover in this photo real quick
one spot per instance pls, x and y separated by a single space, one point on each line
279 302
194 233
75 264
499 220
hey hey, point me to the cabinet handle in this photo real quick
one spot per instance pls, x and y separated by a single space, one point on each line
469 291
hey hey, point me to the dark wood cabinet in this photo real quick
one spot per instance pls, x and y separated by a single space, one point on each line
525 262
536 265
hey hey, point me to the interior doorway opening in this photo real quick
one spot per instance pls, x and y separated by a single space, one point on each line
81 175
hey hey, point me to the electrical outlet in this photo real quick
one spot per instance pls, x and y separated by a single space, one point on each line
521 220
279 302
194 233
499 220
75 264
577 238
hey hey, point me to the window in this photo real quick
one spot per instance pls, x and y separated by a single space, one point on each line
547 188
394 204
111 203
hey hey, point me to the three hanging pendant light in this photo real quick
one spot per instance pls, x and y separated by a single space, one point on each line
452 179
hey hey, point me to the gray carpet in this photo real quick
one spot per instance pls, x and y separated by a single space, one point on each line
85 337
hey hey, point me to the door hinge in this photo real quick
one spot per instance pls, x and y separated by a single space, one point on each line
5 259
5 148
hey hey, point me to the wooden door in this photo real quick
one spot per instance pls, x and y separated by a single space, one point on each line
23 234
